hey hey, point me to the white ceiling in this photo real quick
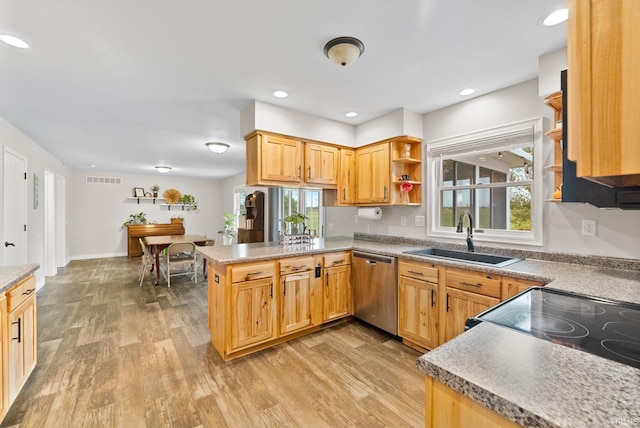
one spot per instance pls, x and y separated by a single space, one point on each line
126 85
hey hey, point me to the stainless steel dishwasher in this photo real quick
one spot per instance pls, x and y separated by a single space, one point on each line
375 290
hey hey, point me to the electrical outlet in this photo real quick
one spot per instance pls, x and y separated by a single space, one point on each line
330 227
403 220
355 219
419 221
588 227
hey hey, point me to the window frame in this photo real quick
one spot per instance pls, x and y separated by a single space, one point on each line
494 138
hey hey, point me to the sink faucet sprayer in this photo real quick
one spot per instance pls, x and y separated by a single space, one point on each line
470 246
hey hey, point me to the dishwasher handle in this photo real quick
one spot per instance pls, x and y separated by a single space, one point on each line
373 258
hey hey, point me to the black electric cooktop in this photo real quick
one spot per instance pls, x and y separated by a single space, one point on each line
605 328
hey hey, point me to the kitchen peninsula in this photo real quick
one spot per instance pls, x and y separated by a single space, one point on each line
521 378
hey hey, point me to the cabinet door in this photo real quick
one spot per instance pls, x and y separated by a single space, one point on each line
22 345
347 184
337 292
4 404
372 164
252 313
513 286
321 164
281 159
603 53
295 302
418 311
462 305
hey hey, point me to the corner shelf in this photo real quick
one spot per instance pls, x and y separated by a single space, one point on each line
406 159
554 101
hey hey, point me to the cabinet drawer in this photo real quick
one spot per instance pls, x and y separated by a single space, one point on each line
337 259
20 292
250 272
421 271
475 282
296 264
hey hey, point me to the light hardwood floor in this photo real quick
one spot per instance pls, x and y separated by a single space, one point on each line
112 354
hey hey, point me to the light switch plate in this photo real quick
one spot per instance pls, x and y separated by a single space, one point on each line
419 221
403 220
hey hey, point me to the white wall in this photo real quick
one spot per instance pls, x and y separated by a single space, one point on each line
618 233
37 160
100 209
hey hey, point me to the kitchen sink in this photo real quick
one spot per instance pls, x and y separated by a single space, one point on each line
466 256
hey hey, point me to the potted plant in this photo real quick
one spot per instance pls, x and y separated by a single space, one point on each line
138 218
189 200
177 219
227 232
295 223
155 189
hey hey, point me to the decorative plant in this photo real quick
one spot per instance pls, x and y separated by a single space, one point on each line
177 219
296 219
229 220
155 189
138 218
189 200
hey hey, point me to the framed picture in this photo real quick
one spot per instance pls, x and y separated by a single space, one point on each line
138 192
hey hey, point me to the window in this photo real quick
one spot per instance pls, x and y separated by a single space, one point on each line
304 201
495 175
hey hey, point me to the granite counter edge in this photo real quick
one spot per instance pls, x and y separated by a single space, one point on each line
11 275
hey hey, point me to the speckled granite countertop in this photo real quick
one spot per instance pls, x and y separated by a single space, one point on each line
10 275
528 380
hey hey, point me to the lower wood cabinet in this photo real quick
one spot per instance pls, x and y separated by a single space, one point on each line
461 305
256 305
337 287
418 303
18 346
446 407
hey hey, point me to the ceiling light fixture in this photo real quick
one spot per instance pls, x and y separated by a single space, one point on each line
467 91
554 18
14 41
280 93
344 50
163 169
351 114
217 147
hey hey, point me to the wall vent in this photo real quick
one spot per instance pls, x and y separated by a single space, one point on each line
103 180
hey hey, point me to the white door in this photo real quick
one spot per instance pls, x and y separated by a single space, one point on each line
60 214
14 227
50 265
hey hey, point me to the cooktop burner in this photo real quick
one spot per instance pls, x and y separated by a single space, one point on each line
606 328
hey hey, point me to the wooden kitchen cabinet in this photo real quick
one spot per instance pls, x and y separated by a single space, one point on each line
406 161
373 174
347 181
296 294
337 288
321 163
22 355
513 286
603 52
446 407
273 159
418 304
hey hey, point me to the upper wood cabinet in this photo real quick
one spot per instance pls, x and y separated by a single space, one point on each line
321 164
273 159
372 169
280 160
603 49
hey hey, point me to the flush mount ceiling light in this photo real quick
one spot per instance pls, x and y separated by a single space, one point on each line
217 147
351 114
554 18
14 41
163 169
467 91
280 93
344 50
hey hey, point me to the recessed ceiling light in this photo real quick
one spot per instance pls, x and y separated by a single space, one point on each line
14 41
467 91
280 93
554 18
163 169
217 147
351 114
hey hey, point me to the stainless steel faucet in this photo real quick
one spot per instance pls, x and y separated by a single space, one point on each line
470 246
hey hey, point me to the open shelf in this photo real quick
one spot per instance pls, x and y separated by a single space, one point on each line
133 198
